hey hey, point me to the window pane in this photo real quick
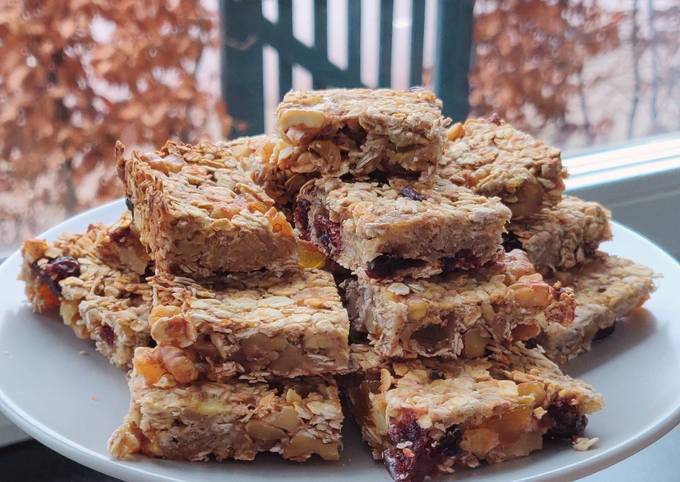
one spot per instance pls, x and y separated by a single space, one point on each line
578 73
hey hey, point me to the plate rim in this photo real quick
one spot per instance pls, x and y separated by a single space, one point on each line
126 471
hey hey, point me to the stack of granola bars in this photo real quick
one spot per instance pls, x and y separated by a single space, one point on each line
431 274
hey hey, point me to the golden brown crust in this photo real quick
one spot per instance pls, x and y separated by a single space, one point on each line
198 211
237 420
494 159
562 236
434 227
368 130
442 414
107 304
458 314
260 324
607 288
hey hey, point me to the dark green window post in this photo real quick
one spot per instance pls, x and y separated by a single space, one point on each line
452 61
241 57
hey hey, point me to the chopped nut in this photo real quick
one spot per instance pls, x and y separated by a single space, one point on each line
171 329
535 389
539 412
324 409
455 132
260 430
309 119
287 419
177 363
531 294
166 165
303 445
295 135
474 343
224 211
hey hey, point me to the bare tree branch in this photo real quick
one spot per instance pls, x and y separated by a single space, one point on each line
655 66
634 40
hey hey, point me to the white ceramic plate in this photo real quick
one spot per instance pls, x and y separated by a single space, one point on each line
71 402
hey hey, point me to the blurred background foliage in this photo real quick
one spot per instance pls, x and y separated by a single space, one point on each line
77 75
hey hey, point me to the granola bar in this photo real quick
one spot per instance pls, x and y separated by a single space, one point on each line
562 236
107 305
198 211
607 288
457 314
237 420
359 131
427 416
285 324
400 228
121 248
494 159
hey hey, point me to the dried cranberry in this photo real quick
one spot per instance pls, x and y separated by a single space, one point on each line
568 422
405 430
510 242
386 265
328 233
411 193
463 259
402 465
412 459
106 333
302 217
495 118
128 204
603 333
59 269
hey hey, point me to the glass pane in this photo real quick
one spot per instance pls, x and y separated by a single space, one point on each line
578 73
